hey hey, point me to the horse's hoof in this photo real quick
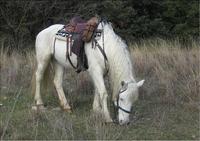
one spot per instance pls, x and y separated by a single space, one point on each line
109 121
68 110
38 108
97 111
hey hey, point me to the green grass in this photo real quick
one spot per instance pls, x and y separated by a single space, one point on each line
167 109
151 120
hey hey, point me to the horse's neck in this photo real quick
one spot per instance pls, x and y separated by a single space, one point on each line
120 66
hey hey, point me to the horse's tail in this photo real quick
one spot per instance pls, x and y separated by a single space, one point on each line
33 82
47 81
48 77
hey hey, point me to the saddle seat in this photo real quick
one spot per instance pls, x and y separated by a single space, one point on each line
77 25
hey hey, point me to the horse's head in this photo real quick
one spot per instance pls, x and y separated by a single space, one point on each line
128 93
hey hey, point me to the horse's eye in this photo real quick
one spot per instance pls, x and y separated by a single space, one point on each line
98 34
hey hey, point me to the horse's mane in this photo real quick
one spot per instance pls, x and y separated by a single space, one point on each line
120 61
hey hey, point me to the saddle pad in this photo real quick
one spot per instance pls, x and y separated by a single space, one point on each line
62 34
75 44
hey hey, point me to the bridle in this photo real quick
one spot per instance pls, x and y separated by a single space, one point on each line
116 106
119 107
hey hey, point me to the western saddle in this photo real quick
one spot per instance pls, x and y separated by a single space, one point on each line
77 32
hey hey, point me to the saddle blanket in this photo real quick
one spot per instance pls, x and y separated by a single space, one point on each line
74 43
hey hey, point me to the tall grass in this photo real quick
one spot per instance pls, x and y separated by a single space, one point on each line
172 72
169 98
16 69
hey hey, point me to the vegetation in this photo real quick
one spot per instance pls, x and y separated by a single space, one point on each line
21 20
168 106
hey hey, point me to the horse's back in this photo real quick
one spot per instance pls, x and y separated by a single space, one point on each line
50 31
45 38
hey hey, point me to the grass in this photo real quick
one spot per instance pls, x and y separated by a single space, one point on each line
167 109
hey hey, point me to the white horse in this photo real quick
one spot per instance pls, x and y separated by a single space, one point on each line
124 86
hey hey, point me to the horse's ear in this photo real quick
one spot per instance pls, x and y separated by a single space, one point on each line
122 83
140 83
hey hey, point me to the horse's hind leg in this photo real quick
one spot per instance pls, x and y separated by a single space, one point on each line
58 79
42 63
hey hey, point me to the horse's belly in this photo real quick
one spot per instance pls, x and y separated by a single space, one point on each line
60 50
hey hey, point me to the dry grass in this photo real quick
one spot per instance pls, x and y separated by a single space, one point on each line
168 107
172 72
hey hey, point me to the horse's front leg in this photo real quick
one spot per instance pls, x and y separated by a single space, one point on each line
101 95
96 102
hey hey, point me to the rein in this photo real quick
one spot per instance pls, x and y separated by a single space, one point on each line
99 47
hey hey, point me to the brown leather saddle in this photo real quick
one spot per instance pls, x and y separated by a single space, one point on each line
84 28
79 31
